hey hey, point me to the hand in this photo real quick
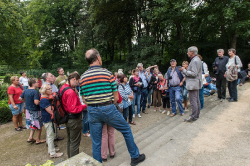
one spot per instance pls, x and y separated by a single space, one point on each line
228 67
155 82
15 107
215 68
206 75
181 83
181 69
225 75
247 75
237 66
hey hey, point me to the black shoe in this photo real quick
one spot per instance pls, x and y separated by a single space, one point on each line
148 106
104 160
189 120
137 160
212 92
112 156
58 139
232 100
228 98
144 112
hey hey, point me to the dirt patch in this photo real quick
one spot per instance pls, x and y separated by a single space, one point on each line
16 151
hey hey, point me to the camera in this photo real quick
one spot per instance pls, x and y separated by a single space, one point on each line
170 77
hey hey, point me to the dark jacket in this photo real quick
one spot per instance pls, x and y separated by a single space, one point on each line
152 84
135 88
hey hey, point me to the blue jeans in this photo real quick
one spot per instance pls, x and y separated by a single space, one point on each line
137 98
18 111
150 92
201 97
144 97
206 92
175 94
184 92
85 122
97 116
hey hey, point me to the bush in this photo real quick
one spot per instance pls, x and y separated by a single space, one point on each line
5 112
8 76
3 92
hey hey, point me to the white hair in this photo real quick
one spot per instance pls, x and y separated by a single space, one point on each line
220 50
160 75
139 64
193 49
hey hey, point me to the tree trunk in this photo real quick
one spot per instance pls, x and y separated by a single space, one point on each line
233 40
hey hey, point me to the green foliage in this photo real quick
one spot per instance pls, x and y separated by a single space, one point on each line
48 163
8 76
41 35
3 92
5 112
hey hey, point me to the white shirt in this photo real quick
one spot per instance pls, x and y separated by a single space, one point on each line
205 68
24 81
232 61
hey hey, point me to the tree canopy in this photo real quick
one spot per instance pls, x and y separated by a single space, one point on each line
46 34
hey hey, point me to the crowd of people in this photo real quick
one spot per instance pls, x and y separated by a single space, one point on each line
98 102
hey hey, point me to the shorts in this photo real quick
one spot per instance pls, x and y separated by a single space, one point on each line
18 111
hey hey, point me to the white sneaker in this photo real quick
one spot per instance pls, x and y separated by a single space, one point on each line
133 115
160 110
186 110
139 115
56 155
168 113
154 110
163 112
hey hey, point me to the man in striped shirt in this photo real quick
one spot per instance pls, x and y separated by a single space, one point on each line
99 91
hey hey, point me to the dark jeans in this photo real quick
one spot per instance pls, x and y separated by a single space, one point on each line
244 79
166 102
128 113
74 127
201 97
221 85
97 116
144 97
232 88
85 122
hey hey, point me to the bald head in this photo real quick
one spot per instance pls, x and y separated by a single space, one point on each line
91 55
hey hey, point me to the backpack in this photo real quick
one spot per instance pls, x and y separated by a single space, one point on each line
59 115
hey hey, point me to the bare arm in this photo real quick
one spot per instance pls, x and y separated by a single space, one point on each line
48 109
116 97
12 101
83 100
21 99
36 102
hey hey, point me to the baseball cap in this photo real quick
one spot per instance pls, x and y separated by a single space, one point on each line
172 60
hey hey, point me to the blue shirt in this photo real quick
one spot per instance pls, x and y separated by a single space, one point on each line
44 103
30 95
144 79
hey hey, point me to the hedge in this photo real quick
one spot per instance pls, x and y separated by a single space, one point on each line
3 92
5 112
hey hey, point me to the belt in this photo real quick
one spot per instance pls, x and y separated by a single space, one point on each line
74 116
174 86
101 104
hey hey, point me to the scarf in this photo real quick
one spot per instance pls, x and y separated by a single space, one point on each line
136 79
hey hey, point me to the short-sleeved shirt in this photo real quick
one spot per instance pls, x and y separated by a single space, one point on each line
175 81
97 85
24 81
30 95
44 103
16 92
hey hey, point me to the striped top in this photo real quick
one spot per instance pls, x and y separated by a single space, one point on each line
97 85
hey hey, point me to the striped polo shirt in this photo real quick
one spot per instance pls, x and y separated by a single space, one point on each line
97 85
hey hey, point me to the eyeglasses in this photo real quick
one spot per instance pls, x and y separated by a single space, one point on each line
49 89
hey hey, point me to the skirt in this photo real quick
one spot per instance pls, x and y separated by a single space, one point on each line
33 119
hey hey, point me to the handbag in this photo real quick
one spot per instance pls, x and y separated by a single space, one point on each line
165 94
